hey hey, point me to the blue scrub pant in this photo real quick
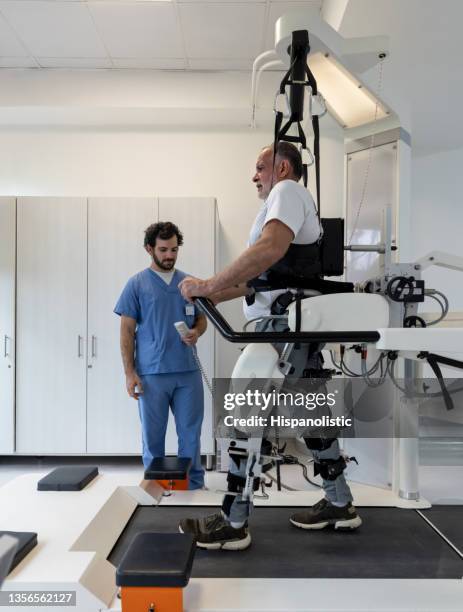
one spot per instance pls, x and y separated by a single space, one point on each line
183 392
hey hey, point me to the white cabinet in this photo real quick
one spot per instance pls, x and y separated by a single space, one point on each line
51 325
74 256
115 253
7 322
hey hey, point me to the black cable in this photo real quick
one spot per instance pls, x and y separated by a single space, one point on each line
292 460
391 367
305 475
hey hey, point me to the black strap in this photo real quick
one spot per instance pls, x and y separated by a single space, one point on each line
434 361
318 284
299 297
316 141
280 133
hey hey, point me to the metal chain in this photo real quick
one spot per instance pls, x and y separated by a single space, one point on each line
370 151
202 370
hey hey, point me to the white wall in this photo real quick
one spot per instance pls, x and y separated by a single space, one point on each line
218 164
154 160
437 217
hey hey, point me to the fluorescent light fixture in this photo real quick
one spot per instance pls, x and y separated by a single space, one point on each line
346 98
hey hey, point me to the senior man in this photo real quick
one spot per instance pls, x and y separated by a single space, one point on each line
283 242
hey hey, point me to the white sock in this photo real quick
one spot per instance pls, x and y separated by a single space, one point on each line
337 504
237 525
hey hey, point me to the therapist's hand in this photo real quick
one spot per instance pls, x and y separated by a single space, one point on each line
134 385
191 287
191 338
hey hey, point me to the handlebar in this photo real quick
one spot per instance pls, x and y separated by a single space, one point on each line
222 326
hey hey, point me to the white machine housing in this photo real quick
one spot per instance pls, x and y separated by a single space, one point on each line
341 311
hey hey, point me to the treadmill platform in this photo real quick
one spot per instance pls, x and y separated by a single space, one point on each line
391 543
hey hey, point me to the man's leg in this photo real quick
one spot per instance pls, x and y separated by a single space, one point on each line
336 507
187 406
234 508
227 529
153 406
336 489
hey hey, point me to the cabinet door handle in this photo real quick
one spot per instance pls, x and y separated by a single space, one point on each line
5 344
93 346
79 346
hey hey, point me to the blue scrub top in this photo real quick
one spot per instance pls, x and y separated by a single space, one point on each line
156 306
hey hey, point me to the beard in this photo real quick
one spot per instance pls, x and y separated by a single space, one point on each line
165 264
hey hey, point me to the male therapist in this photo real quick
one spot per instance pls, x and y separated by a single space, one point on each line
159 366
284 242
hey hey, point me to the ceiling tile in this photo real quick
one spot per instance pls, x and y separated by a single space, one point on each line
235 2
10 46
138 29
220 64
17 62
54 29
156 64
277 9
74 62
232 31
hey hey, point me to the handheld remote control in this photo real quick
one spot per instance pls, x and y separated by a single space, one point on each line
182 328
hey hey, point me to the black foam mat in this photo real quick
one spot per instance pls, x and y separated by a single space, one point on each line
26 542
68 478
449 521
391 543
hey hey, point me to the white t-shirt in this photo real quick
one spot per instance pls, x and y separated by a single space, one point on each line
292 204
166 276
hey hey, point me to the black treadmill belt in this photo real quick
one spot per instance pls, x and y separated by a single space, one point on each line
449 521
391 543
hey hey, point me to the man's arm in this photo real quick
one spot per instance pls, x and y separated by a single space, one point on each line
231 293
267 250
132 379
198 329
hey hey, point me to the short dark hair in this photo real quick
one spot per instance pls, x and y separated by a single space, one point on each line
290 152
163 230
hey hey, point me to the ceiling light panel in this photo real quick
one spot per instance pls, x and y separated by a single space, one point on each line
54 29
347 99
138 29
232 31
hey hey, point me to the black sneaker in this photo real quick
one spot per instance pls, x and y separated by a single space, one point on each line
220 535
195 526
324 513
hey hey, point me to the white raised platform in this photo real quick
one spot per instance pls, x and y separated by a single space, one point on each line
77 530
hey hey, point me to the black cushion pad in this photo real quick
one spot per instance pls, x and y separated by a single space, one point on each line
26 542
168 468
157 560
72 478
